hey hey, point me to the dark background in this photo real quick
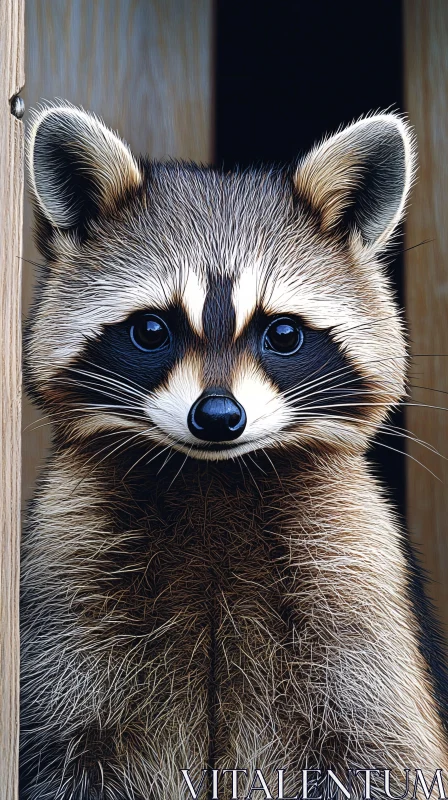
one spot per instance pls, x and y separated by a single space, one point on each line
287 72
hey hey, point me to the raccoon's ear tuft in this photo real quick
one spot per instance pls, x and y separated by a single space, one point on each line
358 180
78 167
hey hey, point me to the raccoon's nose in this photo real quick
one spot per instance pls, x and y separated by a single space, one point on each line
216 417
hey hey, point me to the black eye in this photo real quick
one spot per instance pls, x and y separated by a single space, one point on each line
149 332
283 336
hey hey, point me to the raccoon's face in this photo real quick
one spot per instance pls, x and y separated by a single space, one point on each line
216 313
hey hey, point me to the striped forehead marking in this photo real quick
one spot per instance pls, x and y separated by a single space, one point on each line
218 313
218 321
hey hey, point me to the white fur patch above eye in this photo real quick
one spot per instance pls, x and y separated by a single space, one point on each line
295 292
245 297
193 298
81 306
308 297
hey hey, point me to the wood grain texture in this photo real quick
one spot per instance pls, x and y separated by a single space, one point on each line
426 284
145 66
11 197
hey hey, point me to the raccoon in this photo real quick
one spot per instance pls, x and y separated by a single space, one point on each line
213 577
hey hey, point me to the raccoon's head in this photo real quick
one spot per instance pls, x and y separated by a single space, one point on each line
216 313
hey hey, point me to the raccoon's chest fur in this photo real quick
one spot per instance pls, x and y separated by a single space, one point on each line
207 583
208 618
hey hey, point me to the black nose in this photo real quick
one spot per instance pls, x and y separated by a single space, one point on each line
216 417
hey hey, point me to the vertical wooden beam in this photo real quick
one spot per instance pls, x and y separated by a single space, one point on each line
11 195
426 284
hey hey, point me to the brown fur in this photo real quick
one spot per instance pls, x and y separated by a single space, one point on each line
184 612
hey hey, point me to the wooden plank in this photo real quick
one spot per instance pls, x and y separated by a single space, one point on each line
426 283
11 196
145 66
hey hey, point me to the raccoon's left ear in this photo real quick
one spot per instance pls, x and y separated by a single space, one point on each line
358 180
78 167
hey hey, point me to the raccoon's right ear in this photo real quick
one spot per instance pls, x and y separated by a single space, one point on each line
78 167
